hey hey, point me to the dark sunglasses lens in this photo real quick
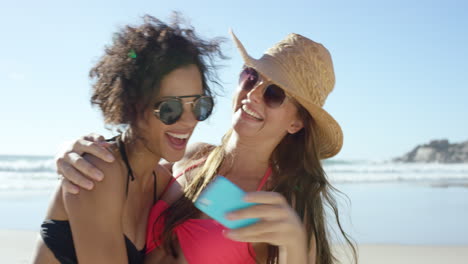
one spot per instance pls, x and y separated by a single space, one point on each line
274 96
248 78
203 107
170 111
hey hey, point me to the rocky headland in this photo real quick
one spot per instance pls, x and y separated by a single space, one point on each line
440 151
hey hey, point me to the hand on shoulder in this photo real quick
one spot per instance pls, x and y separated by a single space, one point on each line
108 193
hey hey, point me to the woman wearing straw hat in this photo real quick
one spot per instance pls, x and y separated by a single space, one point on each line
279 134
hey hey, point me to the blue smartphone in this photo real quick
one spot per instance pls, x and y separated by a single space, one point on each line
221 197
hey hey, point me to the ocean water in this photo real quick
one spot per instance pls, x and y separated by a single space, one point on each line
424 204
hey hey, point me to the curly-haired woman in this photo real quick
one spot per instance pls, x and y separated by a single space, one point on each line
153 82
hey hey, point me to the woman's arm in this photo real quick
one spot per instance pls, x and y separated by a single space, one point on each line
80 174
293 255
299 254
96 216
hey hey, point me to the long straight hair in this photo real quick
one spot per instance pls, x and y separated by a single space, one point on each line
297 175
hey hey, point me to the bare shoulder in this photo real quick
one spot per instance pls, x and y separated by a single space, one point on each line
198 149
115 173
164 167
61 200
114 169
109 193
194 152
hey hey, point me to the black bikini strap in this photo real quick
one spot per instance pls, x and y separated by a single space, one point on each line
130 175
123 153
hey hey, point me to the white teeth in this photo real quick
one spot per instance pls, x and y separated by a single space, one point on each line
179 136
250 112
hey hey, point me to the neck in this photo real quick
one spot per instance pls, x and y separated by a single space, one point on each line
142 160
248 157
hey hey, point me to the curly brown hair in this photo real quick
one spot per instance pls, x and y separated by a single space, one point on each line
128 76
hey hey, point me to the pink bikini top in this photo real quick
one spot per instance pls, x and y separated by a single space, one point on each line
201 240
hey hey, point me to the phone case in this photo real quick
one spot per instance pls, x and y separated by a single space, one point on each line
221 197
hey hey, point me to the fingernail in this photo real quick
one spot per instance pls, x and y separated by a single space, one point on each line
230 216
110 158
89 185
98 175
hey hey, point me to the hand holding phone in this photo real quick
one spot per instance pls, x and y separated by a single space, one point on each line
221 197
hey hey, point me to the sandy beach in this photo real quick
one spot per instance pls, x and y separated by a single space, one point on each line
16 248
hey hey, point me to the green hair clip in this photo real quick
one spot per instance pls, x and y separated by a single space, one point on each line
132 54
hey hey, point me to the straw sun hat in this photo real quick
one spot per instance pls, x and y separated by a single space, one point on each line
304 69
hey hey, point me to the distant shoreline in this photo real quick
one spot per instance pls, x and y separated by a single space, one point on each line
18 156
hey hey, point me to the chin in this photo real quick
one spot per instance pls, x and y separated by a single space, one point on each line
243 128
173 157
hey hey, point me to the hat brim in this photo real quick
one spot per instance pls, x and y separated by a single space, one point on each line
327 130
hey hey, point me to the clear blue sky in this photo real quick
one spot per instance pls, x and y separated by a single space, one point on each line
401 66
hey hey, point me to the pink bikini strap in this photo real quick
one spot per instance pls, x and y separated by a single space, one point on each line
260 186
180 174
264 179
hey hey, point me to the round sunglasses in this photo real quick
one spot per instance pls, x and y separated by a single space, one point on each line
273 95
171 108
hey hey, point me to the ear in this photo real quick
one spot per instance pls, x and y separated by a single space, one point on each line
295 126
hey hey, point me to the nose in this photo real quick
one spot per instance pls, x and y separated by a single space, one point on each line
256 94
188 117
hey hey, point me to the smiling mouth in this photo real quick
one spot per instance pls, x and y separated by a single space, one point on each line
178 141
179 136
251 113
